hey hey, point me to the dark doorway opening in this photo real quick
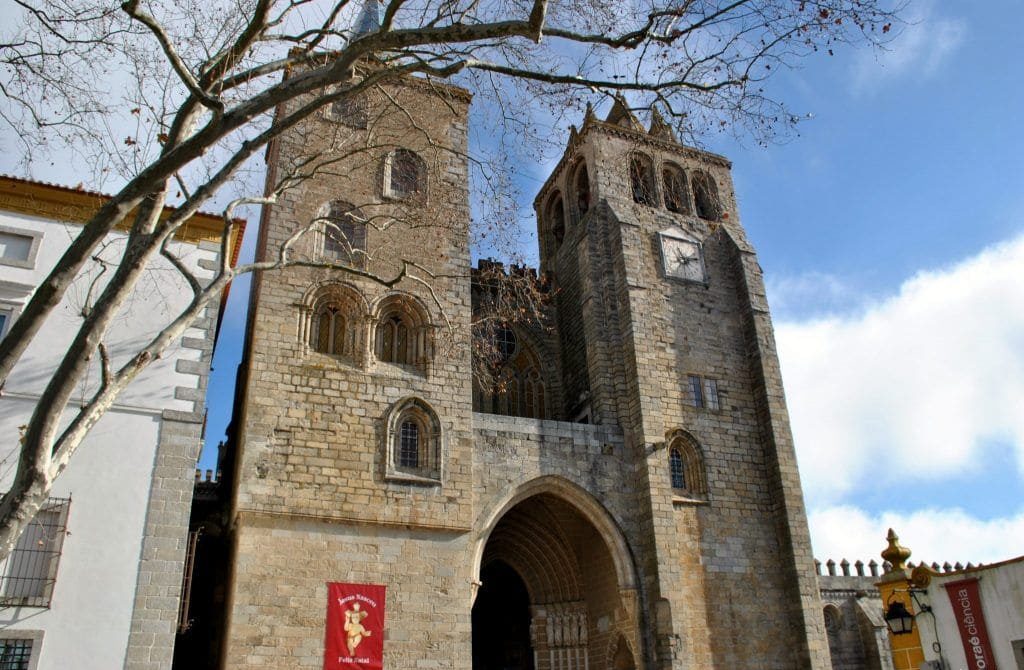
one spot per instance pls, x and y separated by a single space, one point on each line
501 621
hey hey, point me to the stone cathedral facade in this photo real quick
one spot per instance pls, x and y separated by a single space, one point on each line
612 504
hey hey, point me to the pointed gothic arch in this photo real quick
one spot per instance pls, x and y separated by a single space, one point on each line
673 185
562 545
705 196
520 387
641 179
581 190
686 464
555 215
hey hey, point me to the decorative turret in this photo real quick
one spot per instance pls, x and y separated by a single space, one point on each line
660 128
620 115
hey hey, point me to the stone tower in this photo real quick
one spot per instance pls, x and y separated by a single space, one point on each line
625 497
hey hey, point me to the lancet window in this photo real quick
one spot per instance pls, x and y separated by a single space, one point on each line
641 176
677 195
582 191
517 387
556 219
705 196
686 465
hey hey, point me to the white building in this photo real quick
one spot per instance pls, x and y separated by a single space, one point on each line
96 581
978 617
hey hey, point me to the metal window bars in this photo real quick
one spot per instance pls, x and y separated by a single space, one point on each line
15 654
29 573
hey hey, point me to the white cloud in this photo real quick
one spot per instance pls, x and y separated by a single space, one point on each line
914 387
932 535
922 47
809 293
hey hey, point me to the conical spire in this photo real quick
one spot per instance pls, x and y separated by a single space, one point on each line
620 115
368 20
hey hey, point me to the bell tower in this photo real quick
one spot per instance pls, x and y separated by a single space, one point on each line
664 331
353 439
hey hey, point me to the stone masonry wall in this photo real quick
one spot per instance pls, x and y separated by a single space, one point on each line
711 549
313 455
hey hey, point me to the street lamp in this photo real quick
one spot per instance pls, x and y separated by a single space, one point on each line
898 619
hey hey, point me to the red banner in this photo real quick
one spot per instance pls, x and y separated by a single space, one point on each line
355 627
966 601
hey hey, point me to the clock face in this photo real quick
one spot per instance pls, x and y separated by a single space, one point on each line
683 258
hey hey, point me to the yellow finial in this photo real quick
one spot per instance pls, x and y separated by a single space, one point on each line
896 554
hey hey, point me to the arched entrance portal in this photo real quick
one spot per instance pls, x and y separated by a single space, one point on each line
550 596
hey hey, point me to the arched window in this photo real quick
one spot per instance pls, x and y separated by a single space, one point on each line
556 219
331 318
686 465
517 387
677 195
402 333
341 232
582 191
405 175
675 463
393 340
414 442
641 177
328 332
705 196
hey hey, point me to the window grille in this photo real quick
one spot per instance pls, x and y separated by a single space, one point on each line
409 453
30 571
15 654
675 461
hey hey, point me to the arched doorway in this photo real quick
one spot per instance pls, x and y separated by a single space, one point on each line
550 595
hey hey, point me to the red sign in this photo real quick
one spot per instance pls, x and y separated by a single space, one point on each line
966 601
355 627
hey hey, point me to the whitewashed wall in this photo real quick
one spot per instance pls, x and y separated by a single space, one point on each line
161 294
110 479
1001 587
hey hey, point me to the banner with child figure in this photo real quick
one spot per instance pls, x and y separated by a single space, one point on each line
355 627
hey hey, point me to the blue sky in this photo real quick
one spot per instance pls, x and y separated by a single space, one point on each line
891 233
